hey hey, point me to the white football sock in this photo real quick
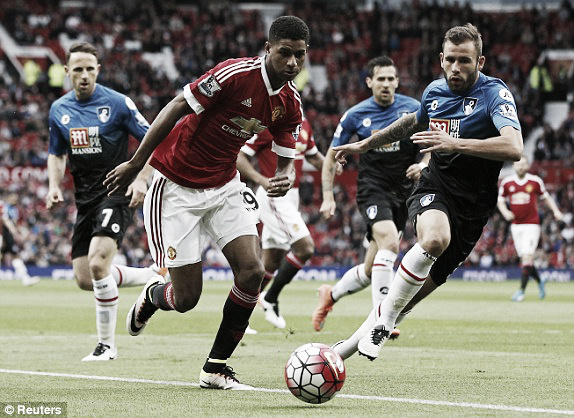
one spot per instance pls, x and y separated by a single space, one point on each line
106 294
353 280
410 276
349 347
382 275
20 270
132 276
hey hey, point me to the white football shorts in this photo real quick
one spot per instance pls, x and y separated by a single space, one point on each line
283 224
526 237
177 219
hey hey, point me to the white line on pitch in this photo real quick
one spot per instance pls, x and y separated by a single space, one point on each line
342 395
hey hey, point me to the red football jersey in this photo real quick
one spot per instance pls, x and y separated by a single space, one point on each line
261 146
231 102
522 196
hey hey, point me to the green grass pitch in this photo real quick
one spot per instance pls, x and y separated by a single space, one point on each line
466 351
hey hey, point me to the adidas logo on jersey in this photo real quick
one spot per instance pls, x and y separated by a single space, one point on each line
247 102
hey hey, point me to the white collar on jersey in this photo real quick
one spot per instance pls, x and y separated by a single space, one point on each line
270 90
522 181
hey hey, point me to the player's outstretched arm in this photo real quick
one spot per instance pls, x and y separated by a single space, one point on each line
125 173
507 146
401 128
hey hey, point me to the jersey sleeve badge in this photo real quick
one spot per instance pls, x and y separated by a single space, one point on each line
505 94
209 86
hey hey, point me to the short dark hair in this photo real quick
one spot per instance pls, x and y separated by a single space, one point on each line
288 27
382 61
460 34
81 47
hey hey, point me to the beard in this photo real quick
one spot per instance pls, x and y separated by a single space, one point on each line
462 86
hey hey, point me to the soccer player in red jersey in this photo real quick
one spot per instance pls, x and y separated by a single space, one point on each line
197 191
286 241
518 202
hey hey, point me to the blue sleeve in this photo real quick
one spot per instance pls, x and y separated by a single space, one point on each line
345 130
422 115
502 108
57 145
136 123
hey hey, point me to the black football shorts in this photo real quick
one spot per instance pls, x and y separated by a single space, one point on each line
465 232
110 217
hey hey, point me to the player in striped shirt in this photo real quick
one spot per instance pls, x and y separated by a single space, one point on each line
197 191
518 202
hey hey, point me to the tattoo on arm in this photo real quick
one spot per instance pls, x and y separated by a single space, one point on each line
402 128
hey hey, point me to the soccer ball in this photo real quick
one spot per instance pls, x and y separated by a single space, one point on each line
315 373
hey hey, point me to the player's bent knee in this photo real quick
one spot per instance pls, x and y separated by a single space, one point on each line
306 254
435 245
185 303
251 277
84 284
98 270
304 249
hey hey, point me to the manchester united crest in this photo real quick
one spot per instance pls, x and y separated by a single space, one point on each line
278 113
171 253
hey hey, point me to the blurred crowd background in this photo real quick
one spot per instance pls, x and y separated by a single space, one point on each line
150 49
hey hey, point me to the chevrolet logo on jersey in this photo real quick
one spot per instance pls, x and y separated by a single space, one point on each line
251 126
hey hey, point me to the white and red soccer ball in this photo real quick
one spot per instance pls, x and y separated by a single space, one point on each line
315 373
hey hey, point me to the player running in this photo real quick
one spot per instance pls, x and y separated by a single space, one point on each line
469 122
386 178
90 124
196 190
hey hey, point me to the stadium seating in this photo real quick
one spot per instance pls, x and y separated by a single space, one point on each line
343 39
